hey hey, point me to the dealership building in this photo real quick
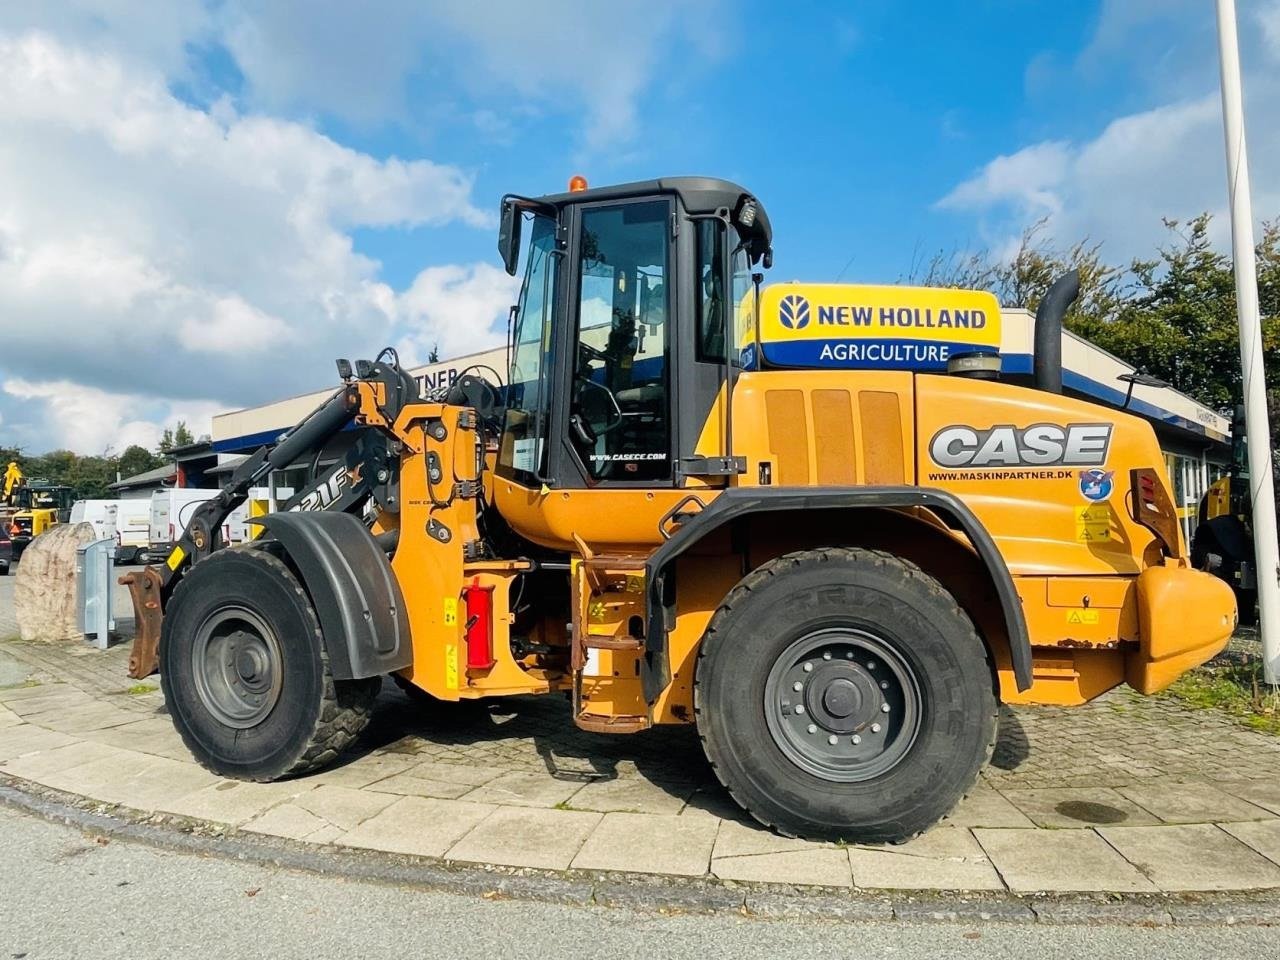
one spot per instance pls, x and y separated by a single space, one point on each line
1195 439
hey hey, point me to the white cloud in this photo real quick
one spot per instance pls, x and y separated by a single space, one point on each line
1144 165
1028 180
455 309
360 61
151 248
139 31
1115 188
1268 19
89 420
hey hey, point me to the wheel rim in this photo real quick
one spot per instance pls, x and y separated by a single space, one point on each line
842 704
237 666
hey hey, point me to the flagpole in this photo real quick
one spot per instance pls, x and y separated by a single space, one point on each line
1255 385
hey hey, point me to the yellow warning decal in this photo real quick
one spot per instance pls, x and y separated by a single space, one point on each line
1085 616
450 611
175 558
451 666
1093 523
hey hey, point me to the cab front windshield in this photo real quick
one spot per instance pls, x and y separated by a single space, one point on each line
523 453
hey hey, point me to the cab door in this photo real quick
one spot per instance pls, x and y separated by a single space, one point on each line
618 351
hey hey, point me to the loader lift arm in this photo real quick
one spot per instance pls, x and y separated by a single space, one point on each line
369 469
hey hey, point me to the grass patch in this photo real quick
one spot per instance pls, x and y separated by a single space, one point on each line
138 689
1237 689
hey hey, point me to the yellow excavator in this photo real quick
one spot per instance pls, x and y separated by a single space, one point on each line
806 518
31 506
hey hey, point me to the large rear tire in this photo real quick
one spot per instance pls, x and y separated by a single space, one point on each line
842 694
245 673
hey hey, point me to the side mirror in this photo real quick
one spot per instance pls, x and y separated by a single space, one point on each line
509 236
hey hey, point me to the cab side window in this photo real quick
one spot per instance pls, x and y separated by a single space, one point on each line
712 299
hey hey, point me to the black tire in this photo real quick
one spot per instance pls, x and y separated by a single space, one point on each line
245 673
899 643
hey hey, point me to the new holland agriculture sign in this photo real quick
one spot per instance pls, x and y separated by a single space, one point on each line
868 327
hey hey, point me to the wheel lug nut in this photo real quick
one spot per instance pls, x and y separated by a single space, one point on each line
797 686
813 728
848 655
799 708
884 684
832 739
875 728
884 708
808 668
826 655
871 664
855 739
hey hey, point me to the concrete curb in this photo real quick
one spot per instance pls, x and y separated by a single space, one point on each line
640 892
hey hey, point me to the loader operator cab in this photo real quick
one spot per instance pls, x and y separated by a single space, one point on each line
626 329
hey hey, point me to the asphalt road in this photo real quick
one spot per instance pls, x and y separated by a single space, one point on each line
66 895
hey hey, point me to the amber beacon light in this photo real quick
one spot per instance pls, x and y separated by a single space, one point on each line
577 183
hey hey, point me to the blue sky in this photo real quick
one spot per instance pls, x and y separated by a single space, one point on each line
207 200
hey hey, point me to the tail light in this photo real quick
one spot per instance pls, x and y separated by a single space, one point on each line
478 602
1151 507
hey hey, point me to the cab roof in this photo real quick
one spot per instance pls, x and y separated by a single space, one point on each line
697 194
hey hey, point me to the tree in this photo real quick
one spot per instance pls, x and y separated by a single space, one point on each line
135 460
1179 319
179 436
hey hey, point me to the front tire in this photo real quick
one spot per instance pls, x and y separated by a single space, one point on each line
842 694
245 673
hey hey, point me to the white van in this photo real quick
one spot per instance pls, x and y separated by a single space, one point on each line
171 510
100 514
133 530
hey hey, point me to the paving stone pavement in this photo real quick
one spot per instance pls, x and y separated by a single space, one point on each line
1127 794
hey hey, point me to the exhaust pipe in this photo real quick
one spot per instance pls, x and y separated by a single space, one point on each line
1047 362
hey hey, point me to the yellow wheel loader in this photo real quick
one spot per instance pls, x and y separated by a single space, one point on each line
807 519
38 506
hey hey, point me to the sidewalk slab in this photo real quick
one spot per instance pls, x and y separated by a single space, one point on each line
1196 856
1262 835
135 780
40 764
1262 793
632 795
344 807
363 771
23 739
153 735
1192 803
28 691
815 866
746 850
38 709
417 826
524 837
233 801
944 858
986 807
738 838
649 843
521 789
82 720
1066 807
444 781
293 823
1060 861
